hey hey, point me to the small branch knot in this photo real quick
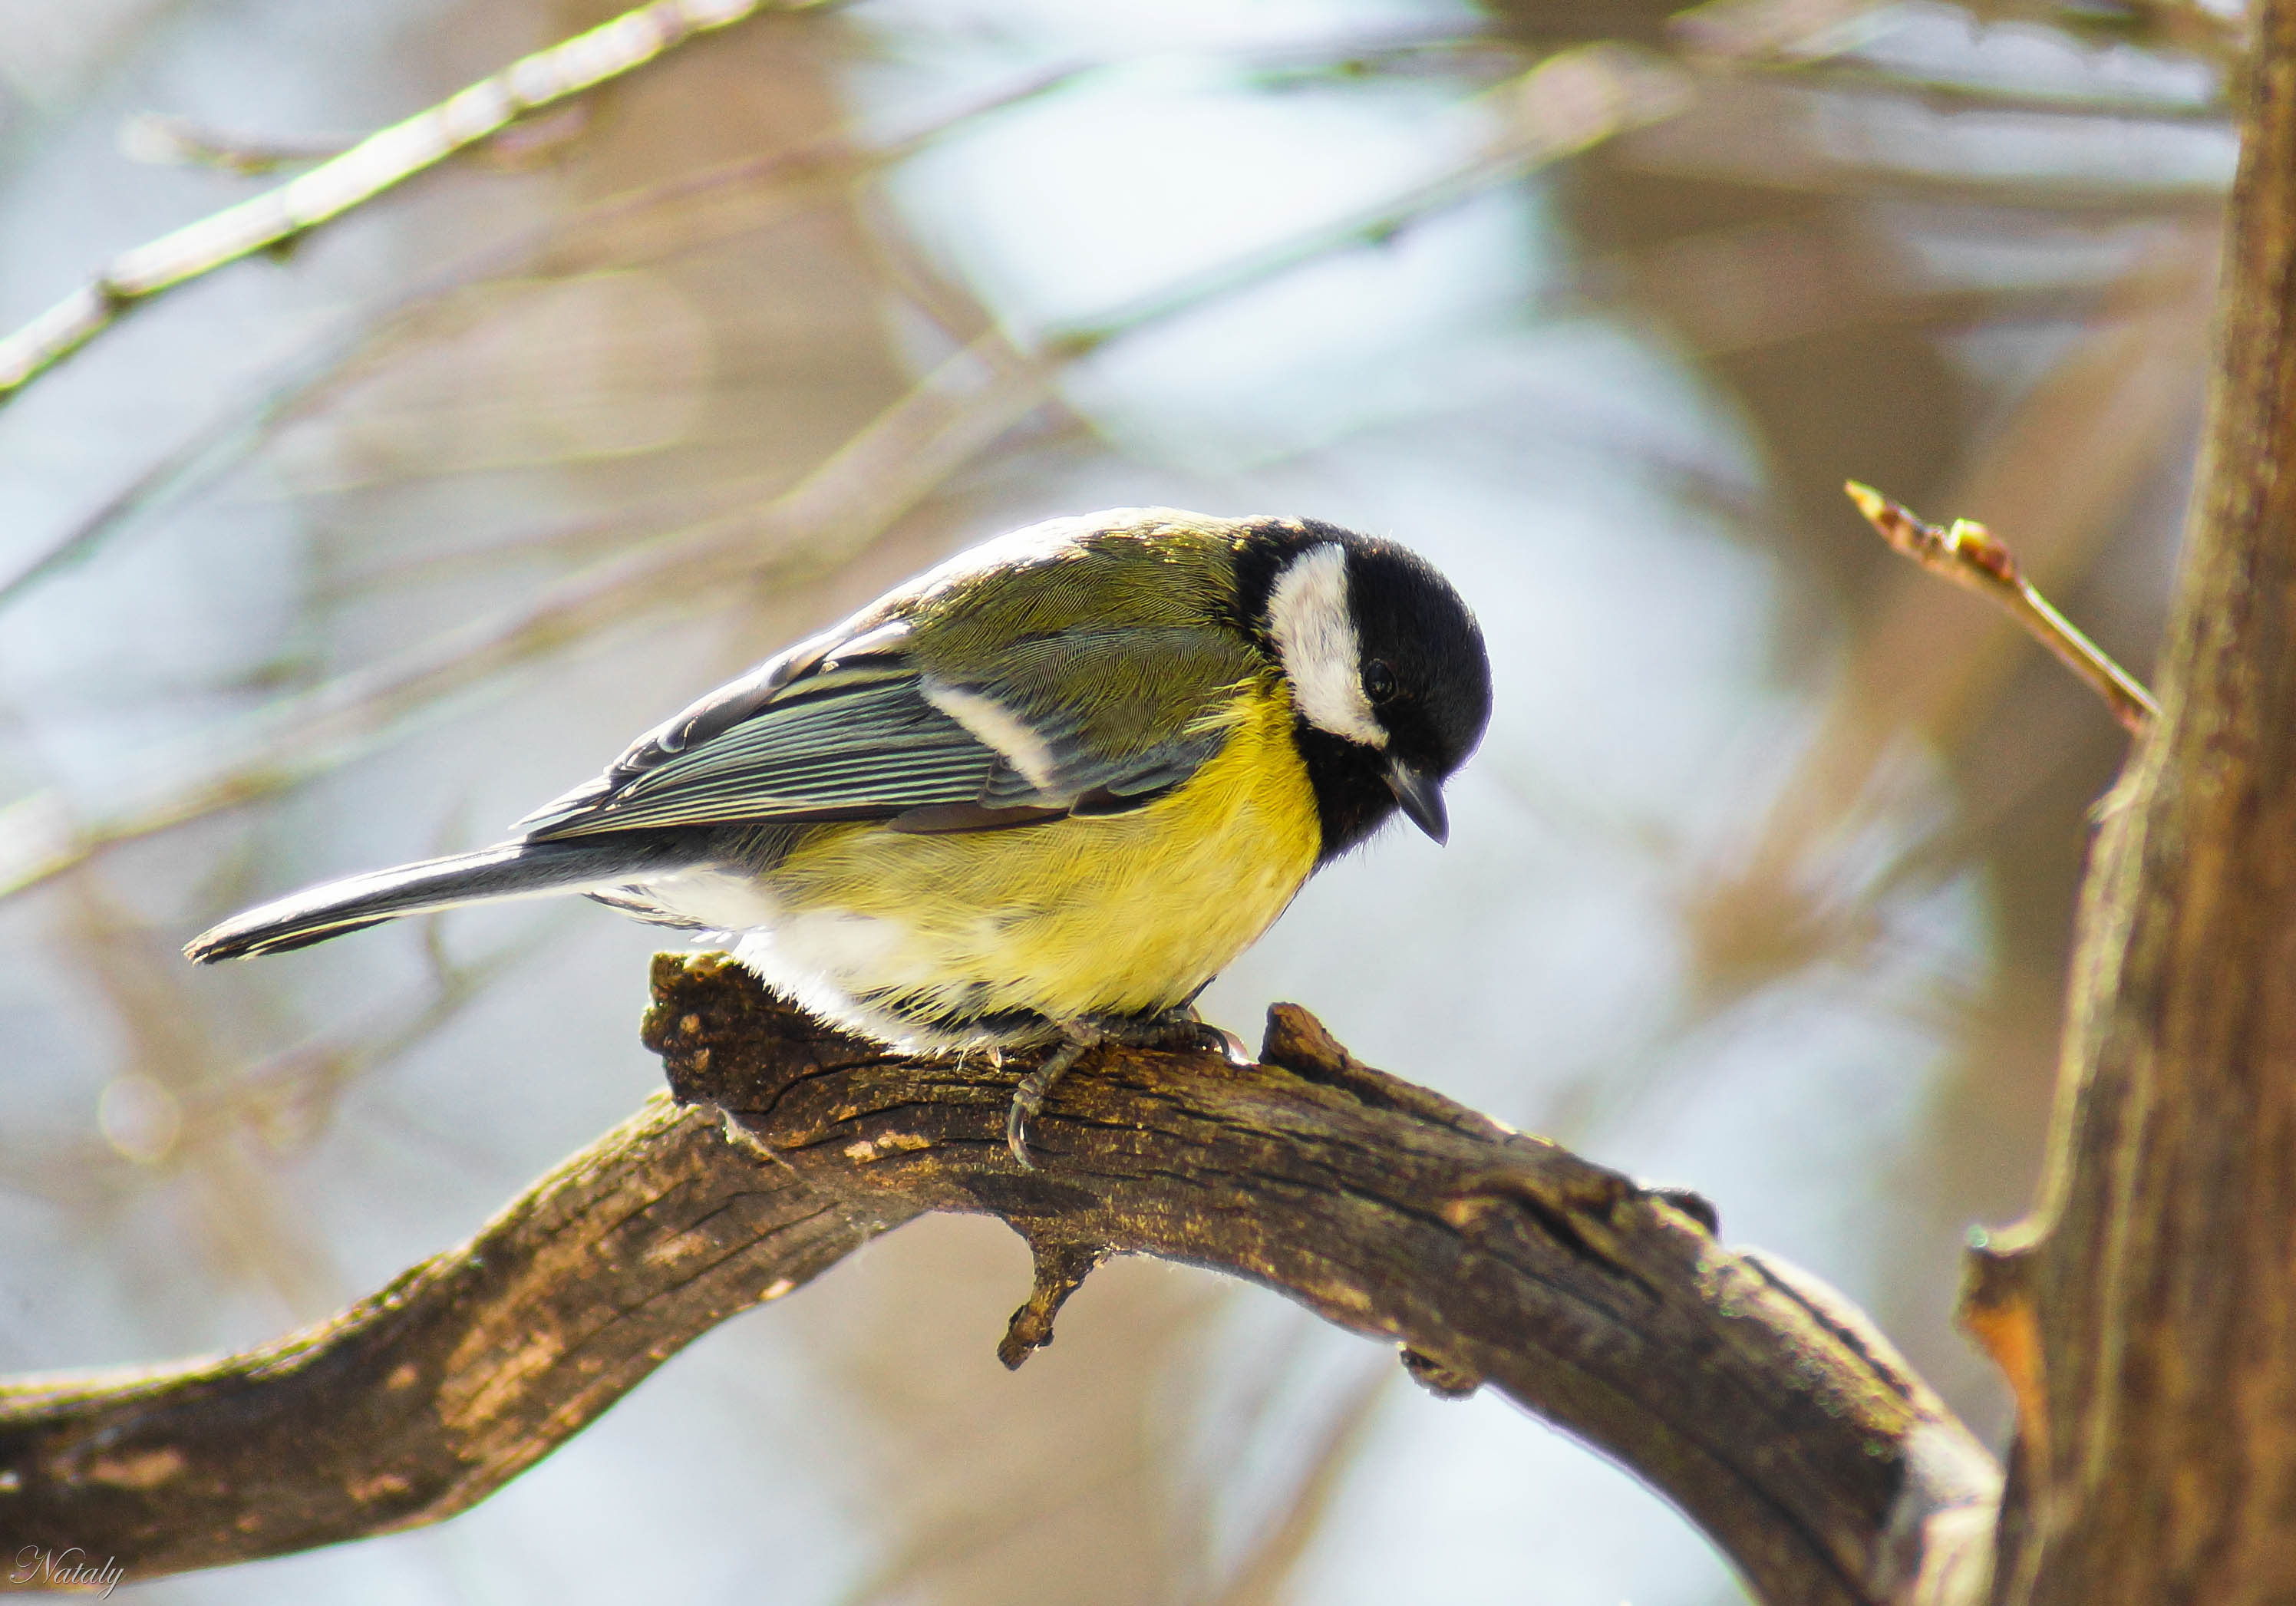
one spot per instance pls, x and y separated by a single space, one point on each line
1062 1266
1692 1203
1996 1309
1298 1043
1439 1378
721 1044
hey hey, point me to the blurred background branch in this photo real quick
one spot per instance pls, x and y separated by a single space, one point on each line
274 221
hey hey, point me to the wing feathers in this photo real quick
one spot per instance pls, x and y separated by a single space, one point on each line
866 749
844 727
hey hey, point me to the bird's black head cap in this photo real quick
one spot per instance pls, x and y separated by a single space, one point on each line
1387 670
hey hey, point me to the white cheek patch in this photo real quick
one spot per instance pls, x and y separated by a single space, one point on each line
1316 639
994 726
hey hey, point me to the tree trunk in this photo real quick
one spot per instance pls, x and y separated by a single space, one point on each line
2157 1280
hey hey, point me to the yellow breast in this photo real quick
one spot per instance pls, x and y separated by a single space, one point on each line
1124 913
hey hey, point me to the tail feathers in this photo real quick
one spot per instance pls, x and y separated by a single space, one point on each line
506 870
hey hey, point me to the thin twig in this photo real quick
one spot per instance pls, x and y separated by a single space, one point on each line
1766 129
2186 26
1965 95
167 141
1745 286
375 164
1966 554
1570 102
1814 172
180 142
1789 31
1772 30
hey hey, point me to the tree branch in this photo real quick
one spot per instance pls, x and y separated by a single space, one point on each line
379 162
1968 554
421 1401
1752 1397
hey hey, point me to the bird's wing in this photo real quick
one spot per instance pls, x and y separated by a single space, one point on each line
1117 715
851 726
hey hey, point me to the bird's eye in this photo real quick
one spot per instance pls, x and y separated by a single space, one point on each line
1378 681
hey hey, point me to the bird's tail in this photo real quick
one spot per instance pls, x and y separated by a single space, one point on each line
507 869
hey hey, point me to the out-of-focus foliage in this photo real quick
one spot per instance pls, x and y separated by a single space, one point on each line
1762 881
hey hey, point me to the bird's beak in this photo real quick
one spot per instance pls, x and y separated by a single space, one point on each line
1421 798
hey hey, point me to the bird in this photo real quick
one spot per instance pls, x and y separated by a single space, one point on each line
1035 798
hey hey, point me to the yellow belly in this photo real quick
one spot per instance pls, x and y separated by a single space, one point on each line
1122 913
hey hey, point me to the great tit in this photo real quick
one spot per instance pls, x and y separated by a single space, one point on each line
1037 796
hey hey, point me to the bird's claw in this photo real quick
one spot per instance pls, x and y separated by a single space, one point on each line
1180 1030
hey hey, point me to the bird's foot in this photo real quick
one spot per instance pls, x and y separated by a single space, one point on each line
1179 1029
1076 1036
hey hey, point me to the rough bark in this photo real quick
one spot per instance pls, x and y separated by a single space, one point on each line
421 1401
1754 1399
2149 1309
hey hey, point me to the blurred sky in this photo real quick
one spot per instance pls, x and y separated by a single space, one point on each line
1760 882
